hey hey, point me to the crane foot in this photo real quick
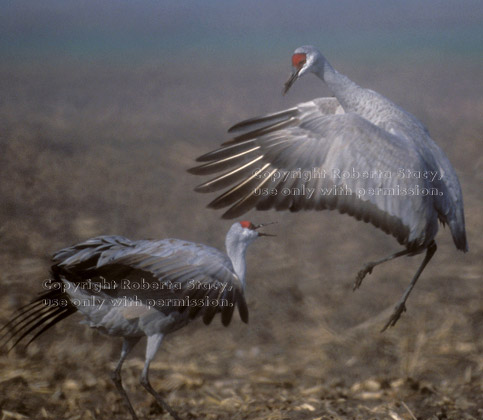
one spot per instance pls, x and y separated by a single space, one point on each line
398 310
361 274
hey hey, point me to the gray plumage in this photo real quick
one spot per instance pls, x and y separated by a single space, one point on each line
167 269
139 288
296 160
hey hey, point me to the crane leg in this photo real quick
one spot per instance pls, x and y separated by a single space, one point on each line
154 341
401 305
367 269
127 345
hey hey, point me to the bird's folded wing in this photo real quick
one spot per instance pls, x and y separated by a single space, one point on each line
170 275
315 156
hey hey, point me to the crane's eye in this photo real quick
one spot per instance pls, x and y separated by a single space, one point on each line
298 60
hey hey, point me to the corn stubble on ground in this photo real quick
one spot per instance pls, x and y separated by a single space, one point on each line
312 349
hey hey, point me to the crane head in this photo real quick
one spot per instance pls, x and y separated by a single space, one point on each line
303 59
238 238
250 226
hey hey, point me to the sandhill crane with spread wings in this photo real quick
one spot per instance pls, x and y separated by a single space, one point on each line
140 288
356 152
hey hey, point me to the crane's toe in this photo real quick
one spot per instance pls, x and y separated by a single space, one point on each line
398 310
363 273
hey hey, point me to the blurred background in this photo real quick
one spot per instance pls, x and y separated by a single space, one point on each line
103 107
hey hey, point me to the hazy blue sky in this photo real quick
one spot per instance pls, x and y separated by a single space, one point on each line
139 28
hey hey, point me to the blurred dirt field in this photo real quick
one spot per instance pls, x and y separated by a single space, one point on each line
89 149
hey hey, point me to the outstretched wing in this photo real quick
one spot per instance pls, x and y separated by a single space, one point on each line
170 275
315 156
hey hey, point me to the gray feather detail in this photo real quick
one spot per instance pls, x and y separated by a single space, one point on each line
260 132
223 152
193 270
272 118
225 163
318 137
230 177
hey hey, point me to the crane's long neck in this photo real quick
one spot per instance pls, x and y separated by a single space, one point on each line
236 249
341 86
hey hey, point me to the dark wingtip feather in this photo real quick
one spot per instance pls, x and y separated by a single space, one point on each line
231 214
37 316
218 203
208 156
243 309
277 116
201 188
22 329
195 170
258 132
205 169
226 152
226 315
242 124
194 311
240 208
60 315
47 316
209 314
237 126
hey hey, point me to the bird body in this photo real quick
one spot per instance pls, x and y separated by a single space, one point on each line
341 144
412 135
140 288
145 273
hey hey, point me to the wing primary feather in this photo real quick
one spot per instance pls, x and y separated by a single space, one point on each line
209 313
223 164
45 317
260 132
228 178
54 319
227 314
224 152
258 120
246 202
234 193
242 309
23 311
16 325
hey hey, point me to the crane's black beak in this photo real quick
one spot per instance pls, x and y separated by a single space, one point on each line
264 224
291 81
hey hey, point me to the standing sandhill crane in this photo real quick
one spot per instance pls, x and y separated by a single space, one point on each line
357 152
141 288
